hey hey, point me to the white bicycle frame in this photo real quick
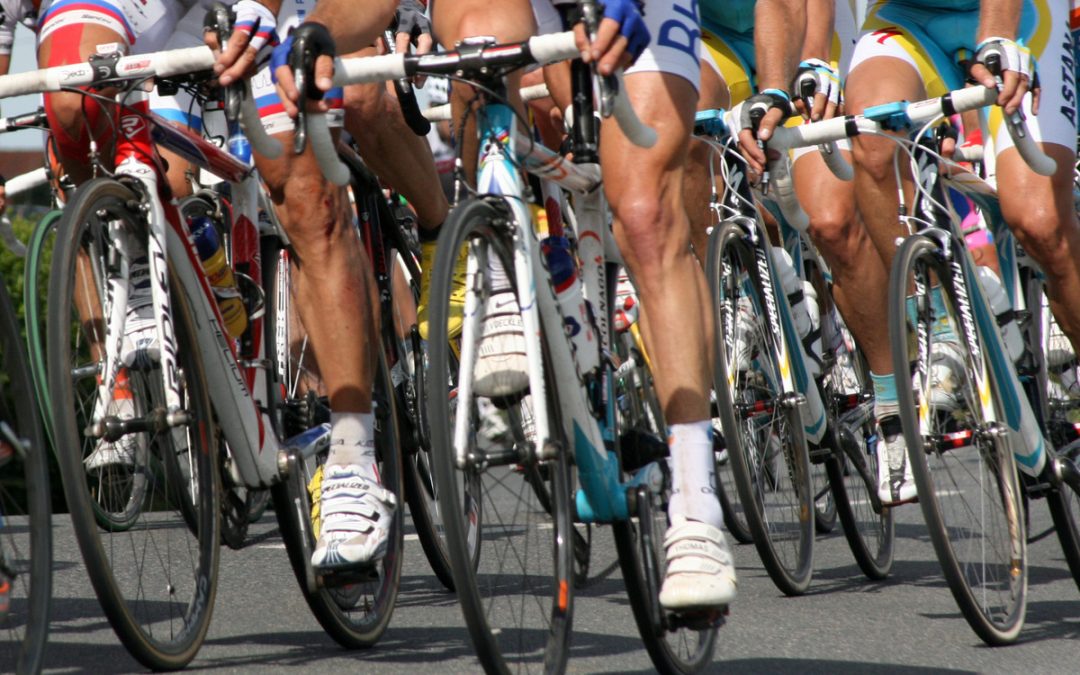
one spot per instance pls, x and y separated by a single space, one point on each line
237 388
502 152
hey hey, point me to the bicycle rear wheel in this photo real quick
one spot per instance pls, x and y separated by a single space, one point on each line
25 513
868 526
961 457
355 611
517 599
763 426
159 604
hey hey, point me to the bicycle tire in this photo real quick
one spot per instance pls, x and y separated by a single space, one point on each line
1055 406
956 454
868 526
35 292
541 639
126 596
342 612
25 509
763 430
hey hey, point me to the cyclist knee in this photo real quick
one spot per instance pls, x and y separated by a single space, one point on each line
315 214
874 157
1046 236
833 228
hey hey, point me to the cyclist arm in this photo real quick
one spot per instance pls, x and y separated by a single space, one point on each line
349 29
779 33
820 20
1001 19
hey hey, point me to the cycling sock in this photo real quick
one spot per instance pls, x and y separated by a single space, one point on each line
885 402
693 473
352 441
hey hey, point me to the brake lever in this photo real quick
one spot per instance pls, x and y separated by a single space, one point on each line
757 113
1016 118
219 19
607 86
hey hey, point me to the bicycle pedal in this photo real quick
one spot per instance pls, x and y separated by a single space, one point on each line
348 577
704 619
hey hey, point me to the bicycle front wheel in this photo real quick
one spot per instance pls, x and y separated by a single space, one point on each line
159 604
961 457
517 598
763 427
25 513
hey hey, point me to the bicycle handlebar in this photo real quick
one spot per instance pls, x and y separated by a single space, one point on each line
158 64
542 49
903 115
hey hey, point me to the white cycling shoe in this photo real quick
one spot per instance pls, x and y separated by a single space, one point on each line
356 514
896 484
700 568
122 451
501 368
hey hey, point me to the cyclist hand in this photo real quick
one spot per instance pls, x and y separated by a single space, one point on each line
1011 62
413 27
317 49
253 29
818 89
620 38
759 117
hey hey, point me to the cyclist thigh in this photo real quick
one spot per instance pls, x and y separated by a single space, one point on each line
644 185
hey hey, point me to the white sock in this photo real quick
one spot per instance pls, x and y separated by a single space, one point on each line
693 473
352 441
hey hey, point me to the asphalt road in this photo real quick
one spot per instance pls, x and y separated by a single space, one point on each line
845 624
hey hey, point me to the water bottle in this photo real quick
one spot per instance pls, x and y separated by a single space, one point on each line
564 276
220 275
804 307
1002 309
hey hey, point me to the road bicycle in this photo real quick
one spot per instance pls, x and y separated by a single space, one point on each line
768 400
564 417
25 507
156 576
979 456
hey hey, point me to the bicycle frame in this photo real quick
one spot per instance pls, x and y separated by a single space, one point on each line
981 332
602 497
236 385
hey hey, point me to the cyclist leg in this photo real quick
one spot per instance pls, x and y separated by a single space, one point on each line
645 191
337 300
892 62
70 33
720 65
1041 210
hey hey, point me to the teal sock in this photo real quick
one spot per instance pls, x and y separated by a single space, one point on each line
885 402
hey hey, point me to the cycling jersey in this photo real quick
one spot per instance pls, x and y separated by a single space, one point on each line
1074 24
728 36
933 38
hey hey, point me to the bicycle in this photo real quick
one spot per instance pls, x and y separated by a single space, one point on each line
528 479
762 383
976 451
235 393
25 508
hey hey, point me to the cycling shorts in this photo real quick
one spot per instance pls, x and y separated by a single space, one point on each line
730 54
934 40
675 37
